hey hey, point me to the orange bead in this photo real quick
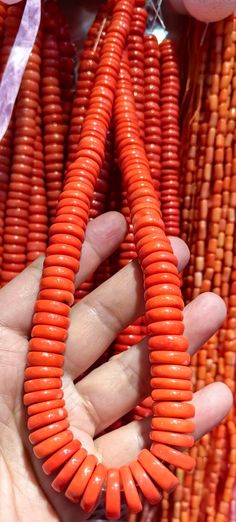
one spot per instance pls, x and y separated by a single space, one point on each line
147 487
175 439
172 456
170 384
46 417
113 494
170 424
132 498
81 478
171 395
161 357
44 406
48 431
173 409
159 473
52 444
38 358
168 342
93 488
172 371
42 396
65 475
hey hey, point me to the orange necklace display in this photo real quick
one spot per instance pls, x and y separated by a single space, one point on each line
116 146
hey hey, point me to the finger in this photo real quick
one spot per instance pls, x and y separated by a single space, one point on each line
125 378
202 318
212 404
103 235
99 317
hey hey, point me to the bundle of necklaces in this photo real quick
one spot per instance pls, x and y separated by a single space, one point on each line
101 131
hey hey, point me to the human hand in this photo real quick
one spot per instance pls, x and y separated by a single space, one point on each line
105 394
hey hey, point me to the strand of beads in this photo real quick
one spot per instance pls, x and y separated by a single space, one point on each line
87 68
38 218
97 207
134 333
16 228
50 321
214 154
152 134
148 231
54 129
135 52
170 88
11 18
99 203
62 261
5 165
67 69
229 343
152 107
54 22
193 485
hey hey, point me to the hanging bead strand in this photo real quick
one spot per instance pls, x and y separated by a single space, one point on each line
38 212
10 18
170 89
54 129
16 228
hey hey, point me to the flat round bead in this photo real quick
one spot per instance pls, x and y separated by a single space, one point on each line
81 478
148 489
46 417
49 446
170 424
64 476
93 488
173 456
45 406
48 431
42 396
173 409
113 494
159 473
131 494
175 439
171 395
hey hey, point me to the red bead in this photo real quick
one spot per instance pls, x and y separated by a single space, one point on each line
131 494
45 359
42 384
49 446
44 406
65 475
149 491
48 431
174 439
81 478
46 417
34 372
159 473
93 488
113 494
42 396
172 456
60 457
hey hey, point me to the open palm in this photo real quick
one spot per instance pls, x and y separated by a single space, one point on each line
103 396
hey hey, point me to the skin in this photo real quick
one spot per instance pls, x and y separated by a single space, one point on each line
107 392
